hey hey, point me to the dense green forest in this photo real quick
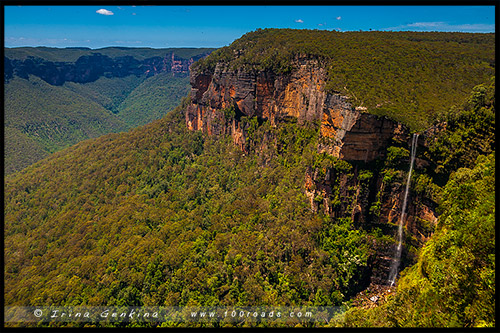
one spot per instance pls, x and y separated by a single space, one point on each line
412 77
453 282
164 216
41 118
170 217
154 97
136 100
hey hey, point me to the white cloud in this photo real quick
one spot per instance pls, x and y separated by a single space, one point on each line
299 21
426 24
126 42
339 18
444 26
28 41
103 11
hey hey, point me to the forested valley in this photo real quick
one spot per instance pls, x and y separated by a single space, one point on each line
55 98
161 215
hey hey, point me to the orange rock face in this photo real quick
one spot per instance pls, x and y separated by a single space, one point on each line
347 132
353 135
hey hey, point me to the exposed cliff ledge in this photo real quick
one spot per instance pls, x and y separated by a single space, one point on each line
348 132
220 98
89 68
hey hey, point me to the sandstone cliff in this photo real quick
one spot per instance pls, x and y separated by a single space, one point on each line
348 132
220 98
89 68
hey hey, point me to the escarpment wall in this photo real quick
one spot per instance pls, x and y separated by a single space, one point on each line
89 68
349 133
222 96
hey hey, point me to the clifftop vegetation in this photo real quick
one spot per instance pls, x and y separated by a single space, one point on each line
411 77
164 216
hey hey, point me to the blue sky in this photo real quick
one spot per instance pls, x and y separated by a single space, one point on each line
217 26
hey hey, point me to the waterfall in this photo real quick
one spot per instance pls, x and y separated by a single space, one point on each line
397 258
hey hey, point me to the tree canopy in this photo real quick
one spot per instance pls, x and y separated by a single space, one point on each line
411 77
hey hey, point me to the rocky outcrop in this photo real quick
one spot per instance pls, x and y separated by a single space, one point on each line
223 97
179 65
374 201
348 132
261 94
8 71
358 136
89 68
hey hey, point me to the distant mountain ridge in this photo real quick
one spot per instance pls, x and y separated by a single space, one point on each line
55 98
92 64
71 54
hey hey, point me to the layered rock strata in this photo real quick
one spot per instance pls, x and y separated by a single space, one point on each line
220 98
89 68
348 132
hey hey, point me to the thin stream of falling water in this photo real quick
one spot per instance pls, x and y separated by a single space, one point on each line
397 258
